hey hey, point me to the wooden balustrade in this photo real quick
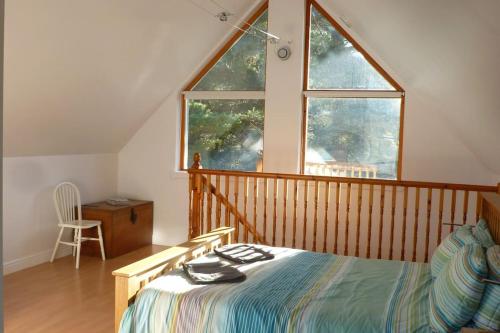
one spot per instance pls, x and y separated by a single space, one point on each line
489 208
371 218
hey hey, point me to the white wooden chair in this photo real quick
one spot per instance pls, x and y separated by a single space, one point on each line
66 198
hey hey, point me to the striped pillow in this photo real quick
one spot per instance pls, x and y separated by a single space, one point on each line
482 234
488 315
449 246
456 293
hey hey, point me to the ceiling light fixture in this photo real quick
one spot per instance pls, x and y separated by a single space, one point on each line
224 16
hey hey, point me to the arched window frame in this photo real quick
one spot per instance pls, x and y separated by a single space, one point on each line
398 91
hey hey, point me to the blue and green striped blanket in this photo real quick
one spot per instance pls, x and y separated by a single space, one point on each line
298 291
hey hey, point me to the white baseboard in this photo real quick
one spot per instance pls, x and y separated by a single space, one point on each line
34 259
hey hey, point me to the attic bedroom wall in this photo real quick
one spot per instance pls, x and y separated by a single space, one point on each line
147 164
29 218
53 122
80 78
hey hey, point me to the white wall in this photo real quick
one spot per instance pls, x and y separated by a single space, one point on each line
29 219
432 150
146 169
93 71
283 114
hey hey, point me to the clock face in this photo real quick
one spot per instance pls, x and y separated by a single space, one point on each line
284 52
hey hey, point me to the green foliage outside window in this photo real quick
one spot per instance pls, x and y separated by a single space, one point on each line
243 66
335 63
361 132
358 131
227 133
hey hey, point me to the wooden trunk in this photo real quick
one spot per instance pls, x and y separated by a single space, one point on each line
125 228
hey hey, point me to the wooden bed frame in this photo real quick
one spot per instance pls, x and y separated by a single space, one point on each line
490 211
130 279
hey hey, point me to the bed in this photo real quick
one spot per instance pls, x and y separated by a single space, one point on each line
298 291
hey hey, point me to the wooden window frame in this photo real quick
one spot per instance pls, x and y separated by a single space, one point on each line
343 93
187 91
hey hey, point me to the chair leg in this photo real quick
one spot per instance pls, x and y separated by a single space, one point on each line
75 233
57 244
101 243
79 243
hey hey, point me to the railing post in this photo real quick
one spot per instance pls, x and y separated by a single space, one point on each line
196 188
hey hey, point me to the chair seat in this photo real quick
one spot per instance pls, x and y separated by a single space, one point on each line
82 224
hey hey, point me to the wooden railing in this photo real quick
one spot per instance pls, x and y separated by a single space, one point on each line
341 170
490 210
369 218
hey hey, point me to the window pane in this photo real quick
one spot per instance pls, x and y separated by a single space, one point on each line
335 64
227 133
243 66
358 135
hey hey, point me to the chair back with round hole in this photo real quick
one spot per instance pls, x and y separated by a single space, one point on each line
66 199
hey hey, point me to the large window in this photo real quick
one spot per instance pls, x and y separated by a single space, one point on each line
353 107
223 109
227 133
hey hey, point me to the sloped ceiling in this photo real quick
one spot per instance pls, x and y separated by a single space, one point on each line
82 76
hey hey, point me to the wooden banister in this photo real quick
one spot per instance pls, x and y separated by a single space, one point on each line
373 218
490 210
196 161
313 178
195 184
241 218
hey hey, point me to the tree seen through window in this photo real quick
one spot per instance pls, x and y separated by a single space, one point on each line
354 135
229 132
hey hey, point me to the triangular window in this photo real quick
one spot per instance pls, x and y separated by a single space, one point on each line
335 63
223 107
353 108
243 66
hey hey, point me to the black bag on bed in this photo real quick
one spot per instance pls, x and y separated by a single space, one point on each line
243 253
213 272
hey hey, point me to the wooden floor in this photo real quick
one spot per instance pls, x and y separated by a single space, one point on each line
58 298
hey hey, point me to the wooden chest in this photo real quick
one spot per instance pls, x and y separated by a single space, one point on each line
125 228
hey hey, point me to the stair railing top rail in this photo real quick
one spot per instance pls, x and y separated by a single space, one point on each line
363 181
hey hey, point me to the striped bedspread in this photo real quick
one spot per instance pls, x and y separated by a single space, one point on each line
298 291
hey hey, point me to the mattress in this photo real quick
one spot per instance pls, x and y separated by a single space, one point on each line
297 291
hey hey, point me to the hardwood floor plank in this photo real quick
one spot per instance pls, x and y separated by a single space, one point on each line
58 298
